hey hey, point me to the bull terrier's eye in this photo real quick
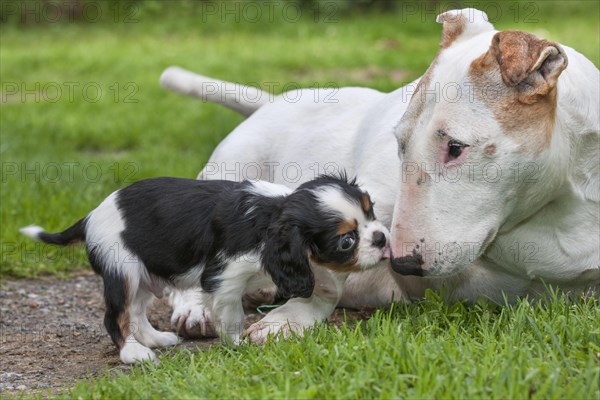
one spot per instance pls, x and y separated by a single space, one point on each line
455 149
347 242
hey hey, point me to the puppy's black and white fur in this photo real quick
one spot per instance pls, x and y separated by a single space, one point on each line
224 236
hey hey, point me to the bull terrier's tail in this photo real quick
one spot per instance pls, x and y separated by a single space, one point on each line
71 235
241 98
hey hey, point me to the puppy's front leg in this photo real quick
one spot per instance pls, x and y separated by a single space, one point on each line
229 319
299 314
226 300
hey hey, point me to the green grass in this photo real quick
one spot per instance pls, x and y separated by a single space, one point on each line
430 350
60 158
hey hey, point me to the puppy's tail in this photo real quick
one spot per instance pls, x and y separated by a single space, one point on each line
72 235
241 98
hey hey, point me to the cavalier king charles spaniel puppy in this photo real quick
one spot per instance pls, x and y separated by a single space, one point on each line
222 236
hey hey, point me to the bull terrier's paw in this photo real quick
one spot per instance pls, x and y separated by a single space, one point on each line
263 329
193 320
136 352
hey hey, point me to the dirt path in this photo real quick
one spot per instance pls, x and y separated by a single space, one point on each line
52 332
52 335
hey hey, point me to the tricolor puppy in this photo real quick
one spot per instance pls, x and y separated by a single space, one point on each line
189 233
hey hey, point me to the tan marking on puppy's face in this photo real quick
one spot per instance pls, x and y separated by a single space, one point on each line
346 226
516 79
366 204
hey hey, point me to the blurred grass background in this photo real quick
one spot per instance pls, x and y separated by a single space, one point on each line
82 113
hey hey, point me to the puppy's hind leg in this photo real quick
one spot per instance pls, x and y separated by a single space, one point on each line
143 331
118 294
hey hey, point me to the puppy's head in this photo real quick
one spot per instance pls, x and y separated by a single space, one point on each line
327 222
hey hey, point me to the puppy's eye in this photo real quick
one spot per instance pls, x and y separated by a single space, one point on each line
347 242
455 149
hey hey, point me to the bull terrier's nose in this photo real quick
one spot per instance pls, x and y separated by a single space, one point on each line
379 239
408 265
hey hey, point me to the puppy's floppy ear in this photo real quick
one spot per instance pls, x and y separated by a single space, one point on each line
285 258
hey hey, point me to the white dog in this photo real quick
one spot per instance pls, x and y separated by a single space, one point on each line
486 169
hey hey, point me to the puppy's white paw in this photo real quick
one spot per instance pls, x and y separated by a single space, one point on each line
134 352
162 339
263 329
168 339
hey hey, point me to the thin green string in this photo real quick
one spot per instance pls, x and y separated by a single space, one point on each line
267 307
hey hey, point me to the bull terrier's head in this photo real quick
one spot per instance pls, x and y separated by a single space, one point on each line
477 144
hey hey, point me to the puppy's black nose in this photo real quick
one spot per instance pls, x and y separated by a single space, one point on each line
379 239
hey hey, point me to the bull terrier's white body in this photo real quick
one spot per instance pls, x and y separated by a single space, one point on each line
486 170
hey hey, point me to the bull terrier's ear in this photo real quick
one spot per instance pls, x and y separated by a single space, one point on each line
462 24
529 63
